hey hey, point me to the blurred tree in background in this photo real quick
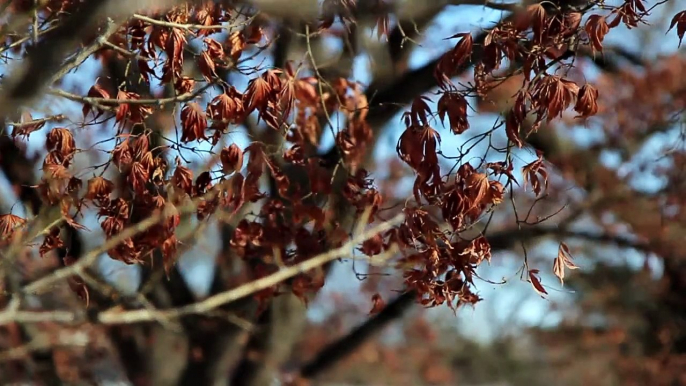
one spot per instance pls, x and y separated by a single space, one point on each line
378 192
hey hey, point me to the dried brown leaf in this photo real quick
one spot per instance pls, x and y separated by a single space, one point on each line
562 261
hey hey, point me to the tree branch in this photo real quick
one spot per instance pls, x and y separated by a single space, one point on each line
215 301
43 61
338 350
341 348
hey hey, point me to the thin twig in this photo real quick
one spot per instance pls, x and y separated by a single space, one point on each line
187 27
108 101
33 122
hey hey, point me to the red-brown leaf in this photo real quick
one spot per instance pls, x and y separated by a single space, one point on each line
537 15
679 21
96 91
99 188
532 172
183 178
193 122
227 107
536 282
512 129
454 105
477 187
378 304
463 49
587 101
257 95
207 66
9 223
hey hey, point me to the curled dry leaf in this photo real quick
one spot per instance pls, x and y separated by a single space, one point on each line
62 141
596 28
454 105
236 41
514 119
551 95
257 159
214 48
257 94
129 114
174 50
512 128
587 101
477 187
124 109
253 33
76 283
499 43
419 112
572 21
157 39
563 259
306 92
416 146
532 172
169 251
27 126
495 193
140 146
372 246
122 155
138 177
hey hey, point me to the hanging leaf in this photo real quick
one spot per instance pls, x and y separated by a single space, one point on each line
536 282
563 259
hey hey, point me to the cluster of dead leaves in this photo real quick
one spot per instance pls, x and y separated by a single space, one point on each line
439 267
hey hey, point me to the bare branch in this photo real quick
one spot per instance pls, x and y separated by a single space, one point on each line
86 52
341 348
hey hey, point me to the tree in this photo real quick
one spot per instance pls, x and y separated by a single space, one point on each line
138 109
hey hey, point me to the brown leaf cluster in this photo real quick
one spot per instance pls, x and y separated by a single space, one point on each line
296 219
